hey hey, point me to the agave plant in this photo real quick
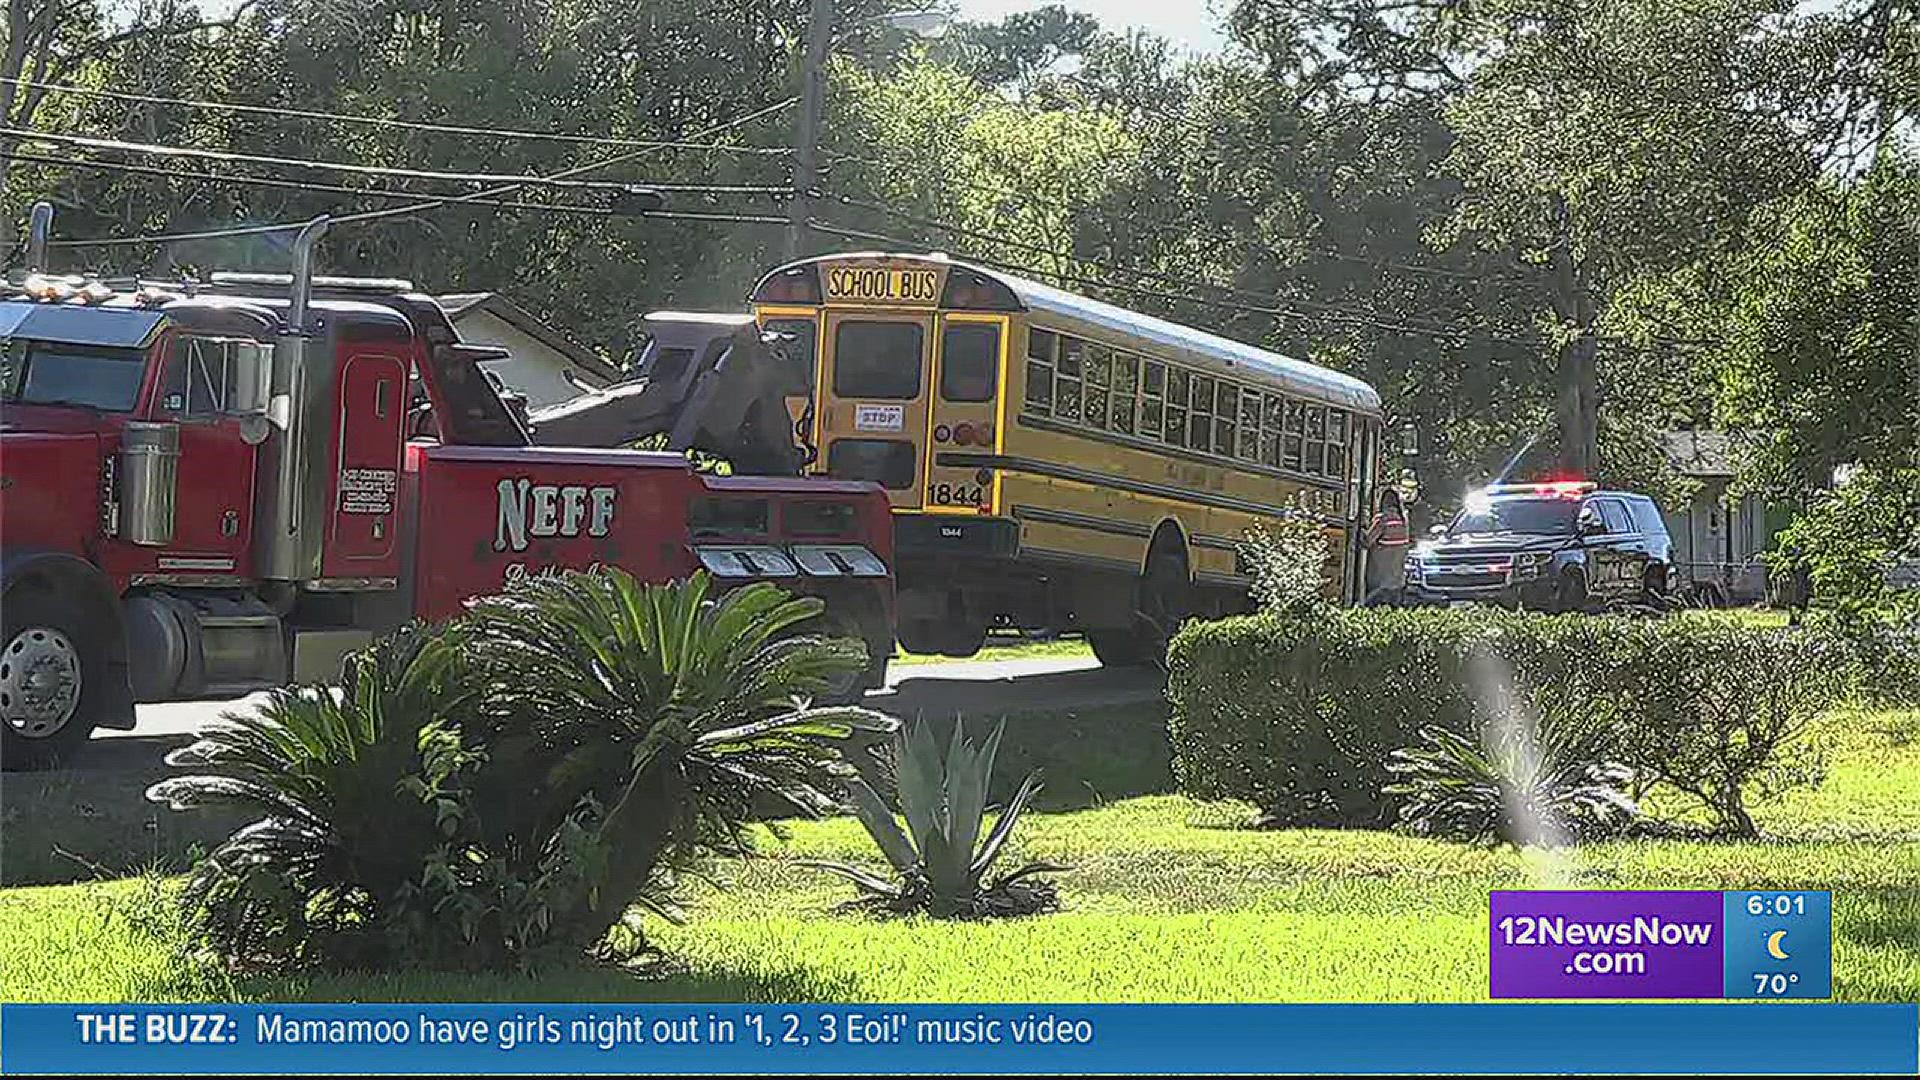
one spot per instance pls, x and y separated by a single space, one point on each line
1511 786
937 867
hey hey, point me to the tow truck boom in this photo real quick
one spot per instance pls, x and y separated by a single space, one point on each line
726 400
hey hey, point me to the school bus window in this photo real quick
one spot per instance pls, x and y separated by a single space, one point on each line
1177 387
1066 386
969 361
1200 419
798 346
1337 444
1175 429
878 360
1316 464
1126 378
1040 349
1270 431
1290 448
1098 366
1153 398
1223 442
1249 424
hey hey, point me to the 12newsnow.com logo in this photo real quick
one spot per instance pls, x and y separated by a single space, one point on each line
1604 944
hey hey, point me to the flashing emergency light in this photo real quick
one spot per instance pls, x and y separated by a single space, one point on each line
797 286
49 289
94 292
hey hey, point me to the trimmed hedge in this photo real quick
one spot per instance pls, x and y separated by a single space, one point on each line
1299 715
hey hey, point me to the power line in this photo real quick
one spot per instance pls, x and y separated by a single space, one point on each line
1244 244
409 125
1461 336
159 150
1294 307
288 185
391 193
419 207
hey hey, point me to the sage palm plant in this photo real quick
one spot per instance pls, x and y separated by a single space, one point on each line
484 792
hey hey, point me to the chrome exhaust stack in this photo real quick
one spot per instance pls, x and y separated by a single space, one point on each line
290 519
302 289
39 228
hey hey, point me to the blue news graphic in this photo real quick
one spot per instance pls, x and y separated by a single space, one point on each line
1010 1039
1779 944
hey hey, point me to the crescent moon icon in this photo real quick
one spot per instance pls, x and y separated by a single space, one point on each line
1774 948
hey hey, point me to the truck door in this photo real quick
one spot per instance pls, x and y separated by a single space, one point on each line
213 516
874 404
364 514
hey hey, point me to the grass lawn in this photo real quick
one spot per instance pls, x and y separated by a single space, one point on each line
1008 647
1169 900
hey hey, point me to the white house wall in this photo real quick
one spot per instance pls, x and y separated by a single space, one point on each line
533 369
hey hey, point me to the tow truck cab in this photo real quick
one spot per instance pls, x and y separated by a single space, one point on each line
207 490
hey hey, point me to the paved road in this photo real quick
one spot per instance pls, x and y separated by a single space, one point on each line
971 687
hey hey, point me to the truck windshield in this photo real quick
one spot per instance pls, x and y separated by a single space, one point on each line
1550 517
90 377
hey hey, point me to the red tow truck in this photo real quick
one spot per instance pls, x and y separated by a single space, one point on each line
210 489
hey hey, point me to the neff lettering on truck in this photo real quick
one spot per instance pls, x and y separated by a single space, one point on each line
542 510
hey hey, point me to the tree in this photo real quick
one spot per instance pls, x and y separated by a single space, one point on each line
1820 352
1609 139
52 41
1018 48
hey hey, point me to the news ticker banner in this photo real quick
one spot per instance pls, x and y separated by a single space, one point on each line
1661 944
1611 1037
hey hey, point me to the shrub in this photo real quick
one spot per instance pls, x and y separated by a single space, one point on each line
1288 561
509 784
1300 716
936 866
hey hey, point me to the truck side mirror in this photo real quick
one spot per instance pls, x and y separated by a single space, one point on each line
252 389
252 378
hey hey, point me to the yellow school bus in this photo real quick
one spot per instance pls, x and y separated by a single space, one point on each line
1056 462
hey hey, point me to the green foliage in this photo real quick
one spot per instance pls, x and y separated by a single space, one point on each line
1288 561
940 864
1300 716
1849 544
1818 340
504 787
1509 784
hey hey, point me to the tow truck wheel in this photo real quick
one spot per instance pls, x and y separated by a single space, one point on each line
850 688
50 681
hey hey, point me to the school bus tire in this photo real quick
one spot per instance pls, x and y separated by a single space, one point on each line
1119 648
1166 601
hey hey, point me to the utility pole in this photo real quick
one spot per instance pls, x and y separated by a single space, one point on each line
806 147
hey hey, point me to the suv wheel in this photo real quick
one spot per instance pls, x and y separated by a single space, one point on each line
1571 595
1653 587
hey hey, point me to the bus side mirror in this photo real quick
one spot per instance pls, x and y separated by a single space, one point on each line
1437 531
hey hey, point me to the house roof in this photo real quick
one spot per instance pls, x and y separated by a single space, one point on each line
1700 453
459 305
